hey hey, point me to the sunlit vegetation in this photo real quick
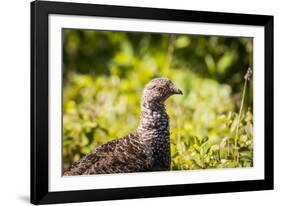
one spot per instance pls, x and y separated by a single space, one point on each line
105 72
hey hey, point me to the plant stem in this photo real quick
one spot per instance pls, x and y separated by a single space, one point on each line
170 51
239 118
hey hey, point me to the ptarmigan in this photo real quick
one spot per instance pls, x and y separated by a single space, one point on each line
145 149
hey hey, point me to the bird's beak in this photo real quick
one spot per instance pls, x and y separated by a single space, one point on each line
177 91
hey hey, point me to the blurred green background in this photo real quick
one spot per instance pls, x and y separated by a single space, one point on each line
104 74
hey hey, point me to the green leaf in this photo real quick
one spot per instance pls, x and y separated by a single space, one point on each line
204 140
225 62
182 42
197 148
234 125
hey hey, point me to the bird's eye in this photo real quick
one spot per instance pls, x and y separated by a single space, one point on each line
160 89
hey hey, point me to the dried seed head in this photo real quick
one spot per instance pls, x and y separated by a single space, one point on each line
248 74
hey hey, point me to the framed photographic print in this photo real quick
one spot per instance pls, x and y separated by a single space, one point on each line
131 102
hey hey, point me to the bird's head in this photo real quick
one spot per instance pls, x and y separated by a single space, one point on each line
158 90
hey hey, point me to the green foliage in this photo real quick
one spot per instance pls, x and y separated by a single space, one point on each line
216 152
105 72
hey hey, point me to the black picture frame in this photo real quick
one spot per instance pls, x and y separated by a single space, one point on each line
40 101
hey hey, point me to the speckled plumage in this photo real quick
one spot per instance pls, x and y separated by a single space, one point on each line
145 149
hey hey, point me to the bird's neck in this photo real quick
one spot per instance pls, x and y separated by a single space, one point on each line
154 131
154 119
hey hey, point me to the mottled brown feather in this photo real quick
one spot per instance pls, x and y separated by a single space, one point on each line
146 149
